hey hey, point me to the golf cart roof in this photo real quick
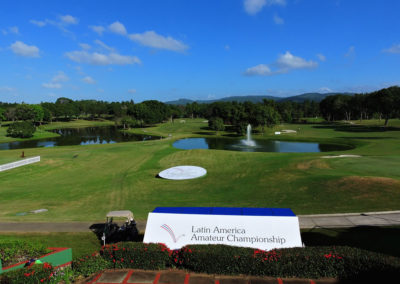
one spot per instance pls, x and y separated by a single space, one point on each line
123 213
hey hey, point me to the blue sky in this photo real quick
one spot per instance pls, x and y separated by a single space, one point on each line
196 49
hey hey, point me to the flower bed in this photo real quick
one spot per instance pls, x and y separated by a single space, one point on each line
16 251
309 262
57 257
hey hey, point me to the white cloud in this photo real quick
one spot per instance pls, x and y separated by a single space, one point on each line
278 20
288 62
117 28
52 85
131 91
96 58
38 23
395 48
69 20
152 39
11 30
98 29
103 45
261 70
89 80
284 64
350 52
56 80
7 89
252 7
23 49
14 30
325 90
321 57
60 77
85 46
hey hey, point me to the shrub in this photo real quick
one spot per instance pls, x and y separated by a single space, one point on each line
137 255
24 129
216 123
14 251
38 273
309 262
88 265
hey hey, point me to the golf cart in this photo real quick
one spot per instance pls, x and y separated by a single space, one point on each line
124 231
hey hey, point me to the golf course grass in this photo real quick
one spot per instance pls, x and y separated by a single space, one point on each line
83 183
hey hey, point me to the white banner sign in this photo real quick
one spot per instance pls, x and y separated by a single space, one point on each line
261 232
17 164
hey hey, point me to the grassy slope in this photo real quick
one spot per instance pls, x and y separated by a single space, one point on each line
84 182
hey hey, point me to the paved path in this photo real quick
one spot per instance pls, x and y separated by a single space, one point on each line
388 218
181 277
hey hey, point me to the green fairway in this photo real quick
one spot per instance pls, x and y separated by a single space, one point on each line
83 183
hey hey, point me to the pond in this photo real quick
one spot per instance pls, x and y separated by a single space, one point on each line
79 136
257 145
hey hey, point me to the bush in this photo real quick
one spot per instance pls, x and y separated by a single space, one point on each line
24 129
309 262
14 251
88 265
216 123
38 273
137 255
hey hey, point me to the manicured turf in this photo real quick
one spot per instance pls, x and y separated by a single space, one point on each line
81 243
83 183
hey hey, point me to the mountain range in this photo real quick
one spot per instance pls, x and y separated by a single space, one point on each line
317 97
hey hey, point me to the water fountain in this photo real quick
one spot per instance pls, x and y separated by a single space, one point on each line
248 141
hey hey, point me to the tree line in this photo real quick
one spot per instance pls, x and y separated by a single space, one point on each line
382 104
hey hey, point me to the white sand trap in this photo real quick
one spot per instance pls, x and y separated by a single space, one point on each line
341 156
183 172
288 131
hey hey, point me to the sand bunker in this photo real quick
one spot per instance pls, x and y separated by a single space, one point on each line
341 156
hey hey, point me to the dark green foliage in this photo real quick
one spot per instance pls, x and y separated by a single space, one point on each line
216 123
309 262
24 129
38 273
12 250
88 265
137 255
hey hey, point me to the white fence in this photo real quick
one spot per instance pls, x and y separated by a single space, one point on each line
19 163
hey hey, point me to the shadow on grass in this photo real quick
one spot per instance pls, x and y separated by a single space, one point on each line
98 230
356 128
234 135
367 138
377 239
204 133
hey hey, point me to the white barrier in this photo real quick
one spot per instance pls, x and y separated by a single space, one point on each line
261 228
24 162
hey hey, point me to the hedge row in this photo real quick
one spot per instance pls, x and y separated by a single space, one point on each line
308 262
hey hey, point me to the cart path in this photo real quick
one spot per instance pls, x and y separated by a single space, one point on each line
387 218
